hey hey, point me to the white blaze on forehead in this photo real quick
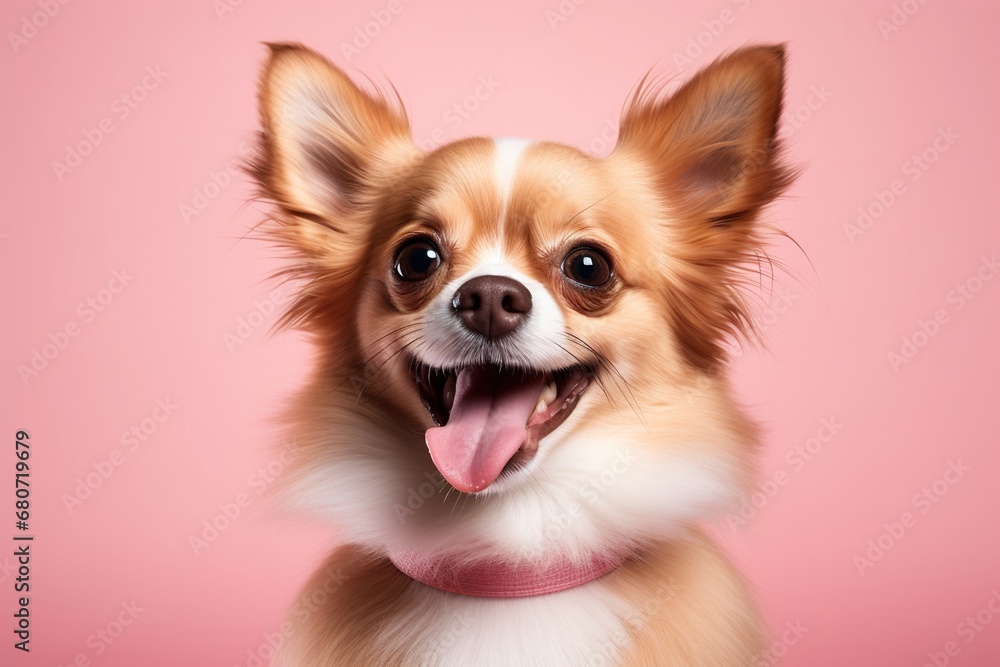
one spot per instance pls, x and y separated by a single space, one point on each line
492 254
507 158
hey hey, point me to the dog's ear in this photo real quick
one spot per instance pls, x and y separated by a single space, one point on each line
327 149
712 143
327 144
714 159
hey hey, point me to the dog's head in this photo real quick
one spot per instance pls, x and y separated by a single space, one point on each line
520 344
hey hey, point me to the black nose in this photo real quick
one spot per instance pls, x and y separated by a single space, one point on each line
492 306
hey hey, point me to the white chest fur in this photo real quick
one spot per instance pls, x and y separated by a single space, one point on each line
580 626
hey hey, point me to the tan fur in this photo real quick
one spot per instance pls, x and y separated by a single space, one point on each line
693 608
341 630
675 208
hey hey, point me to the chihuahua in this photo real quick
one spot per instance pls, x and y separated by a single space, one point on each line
518 415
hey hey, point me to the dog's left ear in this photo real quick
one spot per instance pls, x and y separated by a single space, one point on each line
712 144
713 158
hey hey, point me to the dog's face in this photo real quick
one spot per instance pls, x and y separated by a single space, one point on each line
542 327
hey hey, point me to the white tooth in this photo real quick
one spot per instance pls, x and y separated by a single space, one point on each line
540 407
549 393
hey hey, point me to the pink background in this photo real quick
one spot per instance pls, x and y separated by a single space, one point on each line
881 101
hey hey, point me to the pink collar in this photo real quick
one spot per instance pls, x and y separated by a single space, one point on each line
498 580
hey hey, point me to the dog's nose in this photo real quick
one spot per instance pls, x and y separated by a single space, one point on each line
492 306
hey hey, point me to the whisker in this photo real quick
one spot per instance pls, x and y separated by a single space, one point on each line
399 329
576 215
392 356
596 377
402 331
616 376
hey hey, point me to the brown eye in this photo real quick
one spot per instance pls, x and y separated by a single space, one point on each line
418 259
587 267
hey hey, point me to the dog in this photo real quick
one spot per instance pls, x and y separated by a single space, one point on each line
519 415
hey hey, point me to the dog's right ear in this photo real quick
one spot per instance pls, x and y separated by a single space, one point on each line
327 149
326 144
712 151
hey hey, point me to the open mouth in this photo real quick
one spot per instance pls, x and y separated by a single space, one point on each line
489 419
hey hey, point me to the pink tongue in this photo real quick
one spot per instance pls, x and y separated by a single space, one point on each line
486 426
